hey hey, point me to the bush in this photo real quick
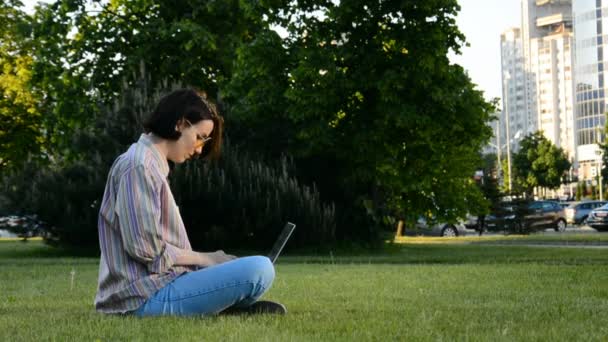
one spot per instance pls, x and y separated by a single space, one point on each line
64 199
237 201
241 202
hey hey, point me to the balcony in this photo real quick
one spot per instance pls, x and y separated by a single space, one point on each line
555 2
553 19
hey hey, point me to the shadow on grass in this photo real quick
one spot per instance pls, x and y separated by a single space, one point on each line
459 254
18 249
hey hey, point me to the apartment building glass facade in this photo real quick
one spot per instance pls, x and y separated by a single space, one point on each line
591 34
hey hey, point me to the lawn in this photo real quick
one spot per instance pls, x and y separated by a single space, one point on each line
406 292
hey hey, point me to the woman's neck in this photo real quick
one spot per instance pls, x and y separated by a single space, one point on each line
160 144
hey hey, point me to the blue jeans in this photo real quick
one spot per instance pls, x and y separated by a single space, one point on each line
240 282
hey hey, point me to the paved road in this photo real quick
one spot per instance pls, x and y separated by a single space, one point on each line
550 231
569 230
572 230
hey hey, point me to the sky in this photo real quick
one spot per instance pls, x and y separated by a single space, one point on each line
482 22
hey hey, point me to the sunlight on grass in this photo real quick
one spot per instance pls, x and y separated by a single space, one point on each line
583 238
427 292
20 239
450 240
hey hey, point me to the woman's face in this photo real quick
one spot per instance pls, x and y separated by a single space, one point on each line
192 140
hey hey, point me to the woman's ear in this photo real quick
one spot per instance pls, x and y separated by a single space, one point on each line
179 125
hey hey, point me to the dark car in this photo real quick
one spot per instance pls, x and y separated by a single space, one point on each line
598 218
525 217
577 213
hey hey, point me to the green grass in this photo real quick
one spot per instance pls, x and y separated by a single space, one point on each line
406 292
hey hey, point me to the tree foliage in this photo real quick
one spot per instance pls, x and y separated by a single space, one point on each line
604 150
20 115
176 42
371 102
360 93
489 182
540 163
61 62
237 202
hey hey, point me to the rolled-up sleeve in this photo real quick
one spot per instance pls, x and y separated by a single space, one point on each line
139 207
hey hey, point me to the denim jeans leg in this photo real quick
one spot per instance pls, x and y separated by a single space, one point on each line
239 282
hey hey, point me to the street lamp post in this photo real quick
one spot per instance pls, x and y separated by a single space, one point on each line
599 154
570 179
498 156
507 128
508 142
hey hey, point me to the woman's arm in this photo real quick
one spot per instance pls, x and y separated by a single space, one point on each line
138 206
192 258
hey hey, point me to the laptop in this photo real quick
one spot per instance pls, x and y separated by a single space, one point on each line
281 241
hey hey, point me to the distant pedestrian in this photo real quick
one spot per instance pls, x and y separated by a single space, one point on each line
481 223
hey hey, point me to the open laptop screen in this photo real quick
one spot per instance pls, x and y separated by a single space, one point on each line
281 241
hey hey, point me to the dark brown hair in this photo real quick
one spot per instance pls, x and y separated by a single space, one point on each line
190 105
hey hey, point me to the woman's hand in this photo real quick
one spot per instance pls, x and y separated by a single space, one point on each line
215 258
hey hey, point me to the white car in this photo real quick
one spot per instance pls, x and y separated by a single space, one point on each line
422 228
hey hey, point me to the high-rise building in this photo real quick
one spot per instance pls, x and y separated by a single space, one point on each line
515 121
547 41
590 23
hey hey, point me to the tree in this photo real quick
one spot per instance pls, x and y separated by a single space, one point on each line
191 43
489 183
20 113
580 190
376 114
361 93
540 163
603 145
60 63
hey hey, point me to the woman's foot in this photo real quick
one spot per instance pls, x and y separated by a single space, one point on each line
259 307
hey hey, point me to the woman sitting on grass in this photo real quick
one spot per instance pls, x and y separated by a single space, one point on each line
147 265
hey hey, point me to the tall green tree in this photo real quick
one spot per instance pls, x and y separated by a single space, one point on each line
85 52
362 93
489 182
185 42
61 62
518 185
540 163
20 113
603 145
375 111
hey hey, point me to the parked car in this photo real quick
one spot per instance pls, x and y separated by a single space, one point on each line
525 217
23 226
577 213
424 228
598 218
502 219
470 221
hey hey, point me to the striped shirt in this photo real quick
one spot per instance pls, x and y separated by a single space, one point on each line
140 230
